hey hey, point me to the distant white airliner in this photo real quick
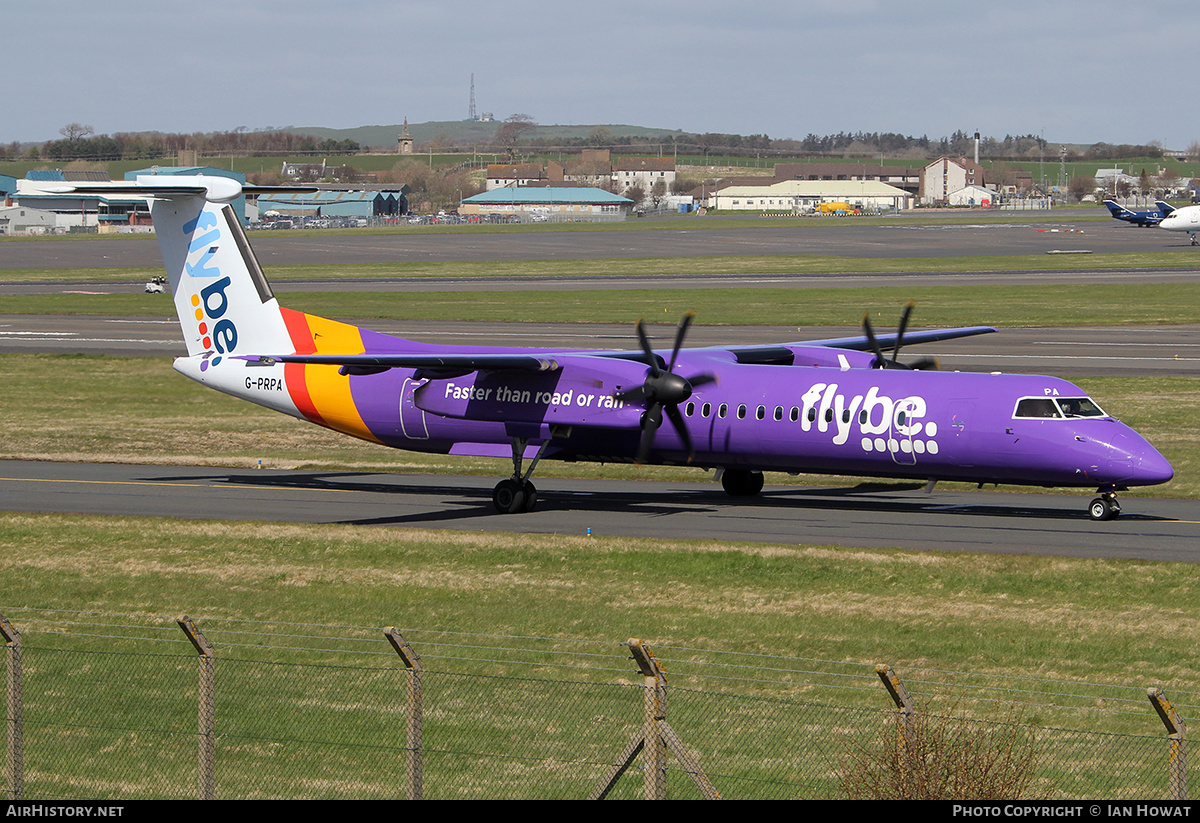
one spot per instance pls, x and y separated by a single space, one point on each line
1184 219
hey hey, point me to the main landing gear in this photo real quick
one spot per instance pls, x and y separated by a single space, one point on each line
517 494
741 482
1105 507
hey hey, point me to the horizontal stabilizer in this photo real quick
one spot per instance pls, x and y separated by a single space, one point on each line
215 189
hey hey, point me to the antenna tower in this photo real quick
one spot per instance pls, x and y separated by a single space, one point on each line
471 114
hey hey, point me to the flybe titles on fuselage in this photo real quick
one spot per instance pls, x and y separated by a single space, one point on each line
208 300
879 422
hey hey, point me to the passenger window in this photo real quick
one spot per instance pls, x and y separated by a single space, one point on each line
760 412
1038 408
722 410
706 410
779 412
812 414
742 412
795 413
690 410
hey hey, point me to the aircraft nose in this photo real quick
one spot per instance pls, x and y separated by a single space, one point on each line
1150 467
1133 461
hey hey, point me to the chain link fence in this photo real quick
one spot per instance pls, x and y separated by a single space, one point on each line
121 707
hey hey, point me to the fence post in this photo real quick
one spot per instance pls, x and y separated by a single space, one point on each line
14 764
413 768
655 739
1177 734
903 700
207 720
654 704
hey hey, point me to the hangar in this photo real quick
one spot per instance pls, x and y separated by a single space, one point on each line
337 203
549 203
803 196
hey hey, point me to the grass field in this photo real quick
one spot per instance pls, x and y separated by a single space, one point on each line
999 305
770 650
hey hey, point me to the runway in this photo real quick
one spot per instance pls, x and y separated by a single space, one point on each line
1110 351
897 237
876 516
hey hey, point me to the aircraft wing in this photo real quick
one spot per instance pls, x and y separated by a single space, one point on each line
454 364
888 341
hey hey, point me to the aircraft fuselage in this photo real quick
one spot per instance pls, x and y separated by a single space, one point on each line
789 418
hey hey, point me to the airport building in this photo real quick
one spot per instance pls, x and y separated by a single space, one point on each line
806 196
335 204
548 203
944 177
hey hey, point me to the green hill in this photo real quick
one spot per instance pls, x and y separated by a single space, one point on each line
469 132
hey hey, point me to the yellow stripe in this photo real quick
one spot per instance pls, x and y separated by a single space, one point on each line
330 391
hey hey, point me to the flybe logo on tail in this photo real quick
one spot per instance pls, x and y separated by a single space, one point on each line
217 332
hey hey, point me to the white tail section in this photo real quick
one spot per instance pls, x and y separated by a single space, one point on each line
224 303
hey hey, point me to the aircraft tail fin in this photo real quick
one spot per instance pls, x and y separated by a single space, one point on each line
1164 207
223 300
1115 208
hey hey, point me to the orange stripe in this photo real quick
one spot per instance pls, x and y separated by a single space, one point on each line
321 394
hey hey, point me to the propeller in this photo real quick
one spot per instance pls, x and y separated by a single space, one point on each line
881 362
663 391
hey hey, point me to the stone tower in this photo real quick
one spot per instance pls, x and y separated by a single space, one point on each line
404 142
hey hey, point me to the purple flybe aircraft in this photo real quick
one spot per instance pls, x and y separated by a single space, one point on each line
837 406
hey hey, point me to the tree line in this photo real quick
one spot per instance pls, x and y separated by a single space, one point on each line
80 142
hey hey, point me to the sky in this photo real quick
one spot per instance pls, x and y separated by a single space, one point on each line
1070 71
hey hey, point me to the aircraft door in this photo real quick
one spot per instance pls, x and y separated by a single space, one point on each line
900 433
412 419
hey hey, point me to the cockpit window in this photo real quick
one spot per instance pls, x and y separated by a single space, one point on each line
1048 408
1079 407
1038 407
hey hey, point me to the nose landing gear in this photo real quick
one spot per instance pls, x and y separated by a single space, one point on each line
1104 507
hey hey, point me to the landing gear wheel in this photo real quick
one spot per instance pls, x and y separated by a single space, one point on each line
1104 508
741 482
509 497
530 497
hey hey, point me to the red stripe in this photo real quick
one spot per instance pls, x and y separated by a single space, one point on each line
293 373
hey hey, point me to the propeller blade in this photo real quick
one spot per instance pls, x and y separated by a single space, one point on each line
684 323
651 360
651 420
681 429
879 359
926 364
702 379
900 331
635 395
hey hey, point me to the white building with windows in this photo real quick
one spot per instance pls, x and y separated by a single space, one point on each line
947 175
804 196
